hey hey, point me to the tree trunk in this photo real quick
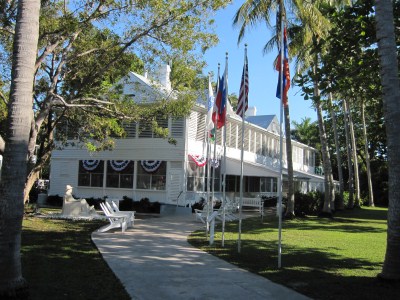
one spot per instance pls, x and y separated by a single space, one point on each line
2 145
327 209
289 159
326 160
391 94
349 160
367 159
355 160
338 156
12 284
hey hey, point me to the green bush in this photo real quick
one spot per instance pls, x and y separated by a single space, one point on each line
55 200
142 206
94 202
308 204
199 205
269 202
346 196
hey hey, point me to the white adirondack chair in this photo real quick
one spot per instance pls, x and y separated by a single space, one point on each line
116 220
113 207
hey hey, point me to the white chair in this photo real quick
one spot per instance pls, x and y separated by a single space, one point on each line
116 220
129 214
202 214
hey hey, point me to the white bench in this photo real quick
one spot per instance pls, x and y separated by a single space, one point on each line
252 202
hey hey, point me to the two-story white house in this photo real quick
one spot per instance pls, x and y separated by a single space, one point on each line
144 165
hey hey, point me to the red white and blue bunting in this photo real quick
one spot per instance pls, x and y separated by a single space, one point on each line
215 163
91 164
150 166
200 161
119 165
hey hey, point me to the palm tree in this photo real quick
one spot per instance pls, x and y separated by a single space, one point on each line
340 205
391 99
305 132
367 158
313 25
355 161
349 154
250 12
15 155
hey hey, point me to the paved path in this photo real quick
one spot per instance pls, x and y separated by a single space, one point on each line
154 261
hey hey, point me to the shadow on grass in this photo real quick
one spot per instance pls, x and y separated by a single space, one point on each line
317 273
339 223
308 271
59 261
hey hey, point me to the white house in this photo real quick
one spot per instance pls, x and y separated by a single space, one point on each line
144 165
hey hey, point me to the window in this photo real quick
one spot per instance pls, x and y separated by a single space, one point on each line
217 175
269 184
232 183
201 127
259 138
120 174
91 173
146 128
195 177
177 126
253 184
130 129
233 135
151 175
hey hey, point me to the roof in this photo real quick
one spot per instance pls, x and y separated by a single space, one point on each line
262 121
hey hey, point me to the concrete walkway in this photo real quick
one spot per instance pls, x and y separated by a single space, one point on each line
153 261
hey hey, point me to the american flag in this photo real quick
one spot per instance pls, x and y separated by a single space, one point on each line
244 89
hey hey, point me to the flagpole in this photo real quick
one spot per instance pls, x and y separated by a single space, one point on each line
207 137
280 145
224 141
241 168
215 143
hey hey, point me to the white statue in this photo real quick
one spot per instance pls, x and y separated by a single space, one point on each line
75 207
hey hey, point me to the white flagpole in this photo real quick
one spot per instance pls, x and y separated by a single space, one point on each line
280 148
241 170
224 141
207 137
215 146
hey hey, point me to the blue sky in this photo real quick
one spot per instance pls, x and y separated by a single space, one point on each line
262 76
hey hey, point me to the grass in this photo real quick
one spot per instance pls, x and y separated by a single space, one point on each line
337 258
59 261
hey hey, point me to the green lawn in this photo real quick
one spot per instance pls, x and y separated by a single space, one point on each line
323 258
59 261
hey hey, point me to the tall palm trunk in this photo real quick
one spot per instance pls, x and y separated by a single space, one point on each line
391 94
338 156
355 160
367 159
326 158
20 115
328 182
350 204
289 159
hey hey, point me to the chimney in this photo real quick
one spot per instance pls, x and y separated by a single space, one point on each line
163 76
251 111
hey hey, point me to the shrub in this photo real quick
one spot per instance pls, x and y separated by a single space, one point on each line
94 202
55 200
142 206
269 202
308 204
199 205
126 204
